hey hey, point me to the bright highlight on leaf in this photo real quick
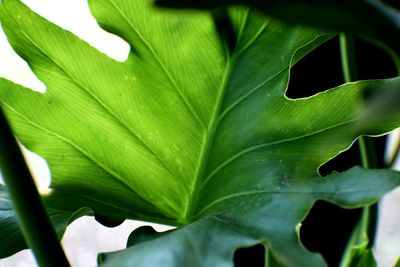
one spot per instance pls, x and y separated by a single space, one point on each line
186 132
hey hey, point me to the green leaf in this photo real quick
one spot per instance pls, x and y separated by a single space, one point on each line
186 133
10 234
142 234
367 260
397 263
356 247
245 220
357 253
139 235
363 17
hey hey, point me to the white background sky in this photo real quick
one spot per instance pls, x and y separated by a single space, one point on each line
85 238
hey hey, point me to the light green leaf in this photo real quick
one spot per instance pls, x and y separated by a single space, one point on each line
186 134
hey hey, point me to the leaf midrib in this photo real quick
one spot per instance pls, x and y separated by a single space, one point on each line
207 143
209 135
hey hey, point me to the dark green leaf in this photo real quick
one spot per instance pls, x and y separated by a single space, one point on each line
363 17
11 237
142 234
10 234
248 219
139 235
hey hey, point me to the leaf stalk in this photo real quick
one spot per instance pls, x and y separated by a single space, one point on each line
31 214
367 149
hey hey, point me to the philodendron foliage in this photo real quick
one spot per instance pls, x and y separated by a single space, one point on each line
191 130
372 19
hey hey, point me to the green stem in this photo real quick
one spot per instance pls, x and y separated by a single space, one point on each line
32 217
366 145
367 152
269 260
347 52
395 155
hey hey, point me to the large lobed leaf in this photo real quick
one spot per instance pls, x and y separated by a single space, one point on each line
256 217
186 133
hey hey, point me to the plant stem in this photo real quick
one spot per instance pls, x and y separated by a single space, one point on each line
269 260
395 155
366 145
32 217
347 52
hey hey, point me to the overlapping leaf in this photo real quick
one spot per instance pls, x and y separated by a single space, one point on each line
10 234
184 132
257 217
363 17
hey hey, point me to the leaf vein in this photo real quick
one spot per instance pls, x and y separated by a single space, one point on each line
109 110
164 69
255 192
85 153
256 147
